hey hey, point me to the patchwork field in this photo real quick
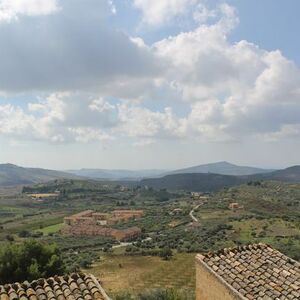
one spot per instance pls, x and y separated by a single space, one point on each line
137 273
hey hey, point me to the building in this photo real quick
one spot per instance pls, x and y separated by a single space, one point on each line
123 214
89 217
248 272
235 205
73 287
92 223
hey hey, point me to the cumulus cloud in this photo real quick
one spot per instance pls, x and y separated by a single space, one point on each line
140 122
73 48
61 118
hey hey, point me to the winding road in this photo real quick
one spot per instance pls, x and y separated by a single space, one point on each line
192 213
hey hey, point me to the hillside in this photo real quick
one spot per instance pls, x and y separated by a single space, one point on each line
223 167
193 182
291 174
14 175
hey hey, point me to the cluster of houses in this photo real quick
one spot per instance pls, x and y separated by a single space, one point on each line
93 223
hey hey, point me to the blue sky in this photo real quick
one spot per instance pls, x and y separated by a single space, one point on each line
270 24
149 84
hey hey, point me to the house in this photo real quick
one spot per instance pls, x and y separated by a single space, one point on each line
235 205
248 272
71 287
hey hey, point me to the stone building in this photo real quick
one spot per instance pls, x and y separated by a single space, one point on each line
248 272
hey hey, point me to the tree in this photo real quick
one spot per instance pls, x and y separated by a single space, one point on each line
166 253
28 261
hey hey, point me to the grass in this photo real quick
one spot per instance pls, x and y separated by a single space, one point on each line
51 229
138 273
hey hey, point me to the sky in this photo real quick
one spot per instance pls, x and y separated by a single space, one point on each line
149 84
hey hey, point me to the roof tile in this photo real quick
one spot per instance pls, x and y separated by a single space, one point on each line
256 271
71 287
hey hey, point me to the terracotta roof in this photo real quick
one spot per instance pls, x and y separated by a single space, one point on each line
71 287
255 272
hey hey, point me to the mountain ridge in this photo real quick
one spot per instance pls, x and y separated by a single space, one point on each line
11 175
223 168
209 182
116 174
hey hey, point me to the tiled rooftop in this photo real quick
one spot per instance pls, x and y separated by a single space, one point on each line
74 287
255 272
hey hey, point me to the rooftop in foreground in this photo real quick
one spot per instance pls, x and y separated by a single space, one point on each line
250 272
71 287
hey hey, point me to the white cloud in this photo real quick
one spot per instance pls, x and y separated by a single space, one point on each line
85 135
157 13
61 118
101 105
202 14
139 122
12 9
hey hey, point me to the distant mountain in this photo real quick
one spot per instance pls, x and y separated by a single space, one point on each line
197 182
11 175
106 174
223 168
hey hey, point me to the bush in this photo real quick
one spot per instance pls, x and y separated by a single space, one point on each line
24 234
166 253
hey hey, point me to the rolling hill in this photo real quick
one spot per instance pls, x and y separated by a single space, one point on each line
223 168
11 175
291 174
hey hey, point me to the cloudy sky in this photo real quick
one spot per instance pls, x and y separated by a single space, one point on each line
149 83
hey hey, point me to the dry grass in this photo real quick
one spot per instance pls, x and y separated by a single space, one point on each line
137 273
